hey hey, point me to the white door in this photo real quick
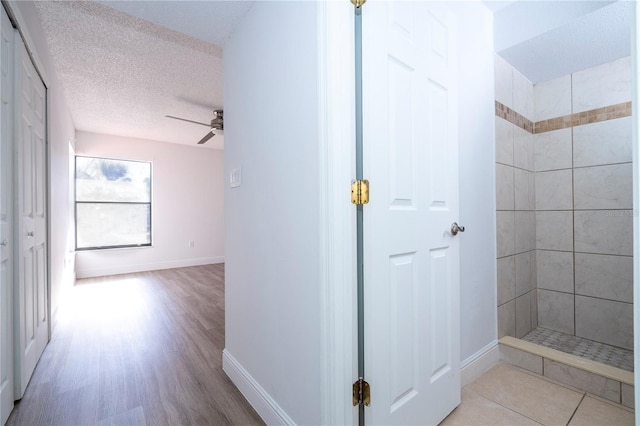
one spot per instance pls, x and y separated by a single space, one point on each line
6 217
411 258
31 239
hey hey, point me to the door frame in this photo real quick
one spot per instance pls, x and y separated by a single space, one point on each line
6 162
336 130
635 67
337 230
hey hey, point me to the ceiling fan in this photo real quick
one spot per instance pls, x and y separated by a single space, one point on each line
216 125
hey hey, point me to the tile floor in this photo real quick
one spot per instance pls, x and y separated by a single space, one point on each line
585 348
507 395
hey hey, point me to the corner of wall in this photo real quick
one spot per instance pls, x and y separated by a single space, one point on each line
477 169
266 407
479 363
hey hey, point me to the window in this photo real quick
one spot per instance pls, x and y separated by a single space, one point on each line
113 203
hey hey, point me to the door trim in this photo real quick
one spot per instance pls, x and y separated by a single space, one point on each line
635 54
20 23
336 86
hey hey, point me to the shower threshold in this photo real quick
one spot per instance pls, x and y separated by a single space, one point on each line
594 377
585 348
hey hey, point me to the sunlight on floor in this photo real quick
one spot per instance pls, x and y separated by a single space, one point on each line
119 299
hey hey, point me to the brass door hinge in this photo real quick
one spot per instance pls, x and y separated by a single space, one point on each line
359 192
361 393
358 3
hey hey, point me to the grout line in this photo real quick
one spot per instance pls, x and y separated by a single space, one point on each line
502 405
555 291
604 210
587 296
603 298
554 170
620 399
504 164
587 252
619 163
578 406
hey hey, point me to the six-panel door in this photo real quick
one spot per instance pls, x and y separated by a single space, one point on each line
411 257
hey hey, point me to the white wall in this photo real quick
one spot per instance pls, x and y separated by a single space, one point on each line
477 179
272 245
187 204
61 133
272 261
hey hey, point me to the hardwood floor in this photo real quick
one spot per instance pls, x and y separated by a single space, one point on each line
143 348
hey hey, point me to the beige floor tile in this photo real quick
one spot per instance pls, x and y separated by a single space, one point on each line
597 412
478 410
581 379
527 394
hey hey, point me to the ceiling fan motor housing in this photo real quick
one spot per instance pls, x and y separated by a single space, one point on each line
217 123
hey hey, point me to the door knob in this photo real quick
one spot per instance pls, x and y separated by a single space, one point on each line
30 234
455 228
4 242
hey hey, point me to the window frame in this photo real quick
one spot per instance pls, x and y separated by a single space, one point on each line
76 202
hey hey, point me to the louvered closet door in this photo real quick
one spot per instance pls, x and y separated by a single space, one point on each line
6 216
31 238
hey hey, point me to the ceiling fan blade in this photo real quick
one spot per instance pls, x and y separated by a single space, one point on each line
197 102
206 137
189 121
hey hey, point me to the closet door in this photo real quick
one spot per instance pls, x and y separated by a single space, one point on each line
6 217
31 238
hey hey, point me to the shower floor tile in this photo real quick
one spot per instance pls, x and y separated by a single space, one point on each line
595 351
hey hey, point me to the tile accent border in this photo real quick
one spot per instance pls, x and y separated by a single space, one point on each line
610 112
513 117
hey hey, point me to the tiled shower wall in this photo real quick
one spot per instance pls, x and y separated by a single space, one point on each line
515 204
583 199
584 206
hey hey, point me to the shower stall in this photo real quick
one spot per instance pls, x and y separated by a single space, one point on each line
564 208
564 212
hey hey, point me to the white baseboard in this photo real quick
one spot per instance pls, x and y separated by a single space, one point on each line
255 394
479 363
128 269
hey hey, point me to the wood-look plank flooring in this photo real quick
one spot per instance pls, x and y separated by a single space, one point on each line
135 349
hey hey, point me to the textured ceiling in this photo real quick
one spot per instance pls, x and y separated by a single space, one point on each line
122 74
571 36
125 65
211 21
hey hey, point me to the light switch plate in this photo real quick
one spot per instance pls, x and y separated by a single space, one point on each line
235 178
